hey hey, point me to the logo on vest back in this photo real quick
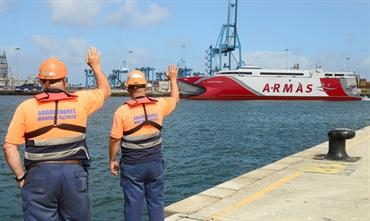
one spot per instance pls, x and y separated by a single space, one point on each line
63 114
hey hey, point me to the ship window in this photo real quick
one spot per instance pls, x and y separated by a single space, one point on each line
328 75
240 73
338 74
282 73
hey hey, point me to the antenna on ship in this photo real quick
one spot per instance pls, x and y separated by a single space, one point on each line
228 44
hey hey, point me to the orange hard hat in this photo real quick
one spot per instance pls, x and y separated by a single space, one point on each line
136 77
51 69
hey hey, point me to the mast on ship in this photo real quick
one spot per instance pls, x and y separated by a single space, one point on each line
227 52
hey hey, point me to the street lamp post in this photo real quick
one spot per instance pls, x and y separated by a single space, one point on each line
129 59
17 52
347 63
286 58
183 51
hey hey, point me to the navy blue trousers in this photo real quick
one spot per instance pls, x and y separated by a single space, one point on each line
56 192
143 182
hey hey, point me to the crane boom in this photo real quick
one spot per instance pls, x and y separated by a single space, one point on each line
227 45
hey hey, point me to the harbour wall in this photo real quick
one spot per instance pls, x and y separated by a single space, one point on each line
304 186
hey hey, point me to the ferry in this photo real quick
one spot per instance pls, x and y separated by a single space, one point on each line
254 83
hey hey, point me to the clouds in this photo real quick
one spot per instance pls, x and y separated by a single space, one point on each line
62 48
129 15
365 64
163 32
77 25
3 6
89 13
71 50
276 60
332 61
75 13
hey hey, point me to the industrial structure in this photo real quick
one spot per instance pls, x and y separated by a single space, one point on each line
156 80
3 70
184 71
7 80
118 76
228 45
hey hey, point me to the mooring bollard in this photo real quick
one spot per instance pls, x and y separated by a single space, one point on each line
337 144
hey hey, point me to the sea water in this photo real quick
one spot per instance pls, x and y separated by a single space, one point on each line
205 143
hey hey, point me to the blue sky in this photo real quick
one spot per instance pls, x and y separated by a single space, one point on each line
156 33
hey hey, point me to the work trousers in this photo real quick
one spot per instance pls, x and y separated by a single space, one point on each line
144 181
56 192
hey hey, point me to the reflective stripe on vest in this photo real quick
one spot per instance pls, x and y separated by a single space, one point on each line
142 141
71 148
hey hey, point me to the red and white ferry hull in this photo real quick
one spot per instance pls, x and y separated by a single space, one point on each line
246 87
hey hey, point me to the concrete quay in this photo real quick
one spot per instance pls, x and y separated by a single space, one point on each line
296 188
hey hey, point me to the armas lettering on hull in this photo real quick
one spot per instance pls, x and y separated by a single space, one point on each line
287 88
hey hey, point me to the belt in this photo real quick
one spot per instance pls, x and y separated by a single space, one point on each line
61 161
77 162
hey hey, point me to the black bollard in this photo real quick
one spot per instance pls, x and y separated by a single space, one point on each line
337 145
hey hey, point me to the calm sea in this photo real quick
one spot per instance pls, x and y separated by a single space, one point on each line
205 143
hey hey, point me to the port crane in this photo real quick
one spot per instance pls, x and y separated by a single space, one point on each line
228 45
183 70
116 78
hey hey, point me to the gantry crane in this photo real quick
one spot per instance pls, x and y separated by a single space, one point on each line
228 45
116 78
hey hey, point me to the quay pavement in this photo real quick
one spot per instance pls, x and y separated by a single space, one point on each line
299 187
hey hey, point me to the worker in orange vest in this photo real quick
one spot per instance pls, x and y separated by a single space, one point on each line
52 125
136 130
